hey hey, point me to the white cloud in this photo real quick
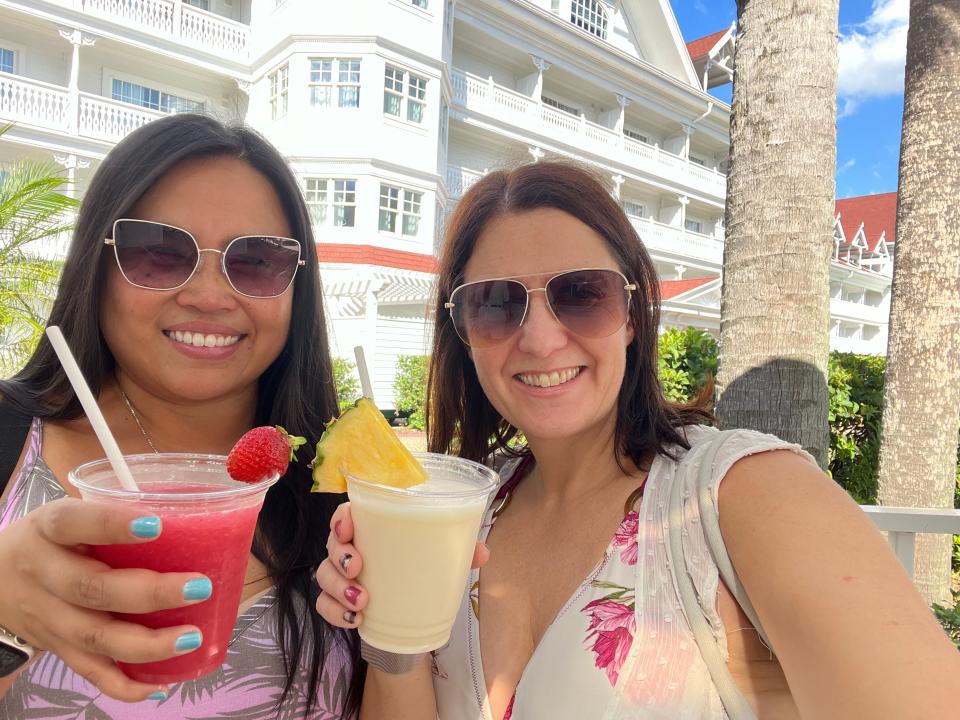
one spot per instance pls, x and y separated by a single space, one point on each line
847 165
700 7
872 55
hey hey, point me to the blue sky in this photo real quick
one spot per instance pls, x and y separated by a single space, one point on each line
870 85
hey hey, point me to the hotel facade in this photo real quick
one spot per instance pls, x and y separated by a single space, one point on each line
389 110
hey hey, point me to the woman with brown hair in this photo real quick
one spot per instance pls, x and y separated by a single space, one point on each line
546 324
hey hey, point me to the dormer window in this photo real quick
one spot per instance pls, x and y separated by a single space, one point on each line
589 15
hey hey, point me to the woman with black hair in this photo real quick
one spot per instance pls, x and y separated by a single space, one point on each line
191 298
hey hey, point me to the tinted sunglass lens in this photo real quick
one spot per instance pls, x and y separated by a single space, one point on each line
262 266
153 255
488 312
591 303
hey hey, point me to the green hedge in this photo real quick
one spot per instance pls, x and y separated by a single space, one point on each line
410 388
346 381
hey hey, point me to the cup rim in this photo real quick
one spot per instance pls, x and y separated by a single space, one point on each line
491 476
229 492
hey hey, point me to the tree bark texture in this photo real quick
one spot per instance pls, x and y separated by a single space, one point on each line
775 305
921 411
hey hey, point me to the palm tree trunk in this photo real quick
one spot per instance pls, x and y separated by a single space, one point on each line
921 411
779 222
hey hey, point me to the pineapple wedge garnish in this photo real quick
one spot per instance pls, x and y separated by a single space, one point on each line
362 443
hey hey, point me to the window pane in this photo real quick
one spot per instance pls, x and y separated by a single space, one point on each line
318 214
393 79
414 111
411 224
6 60
420 3
343 216
391 104
388 221
350 96
320 96
417 88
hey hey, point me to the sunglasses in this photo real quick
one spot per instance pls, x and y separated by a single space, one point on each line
589 302
157 256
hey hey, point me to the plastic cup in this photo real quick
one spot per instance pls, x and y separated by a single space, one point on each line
417 544
208 524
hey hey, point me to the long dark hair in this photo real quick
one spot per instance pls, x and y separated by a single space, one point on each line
296 390
460 419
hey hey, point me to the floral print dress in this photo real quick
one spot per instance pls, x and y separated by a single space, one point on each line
620 648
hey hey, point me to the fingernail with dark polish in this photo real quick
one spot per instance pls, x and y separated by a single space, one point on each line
146 527
345 561
159 695
189 641
351 594
350 616
197 589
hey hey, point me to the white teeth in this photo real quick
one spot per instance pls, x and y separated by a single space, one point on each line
201 340
552 379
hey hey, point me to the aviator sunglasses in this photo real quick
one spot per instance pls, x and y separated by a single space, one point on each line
589 302
157 256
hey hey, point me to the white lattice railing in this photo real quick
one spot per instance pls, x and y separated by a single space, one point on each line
460 179
34 103
659 236
106 119
484 96
212 32
156 15
176 20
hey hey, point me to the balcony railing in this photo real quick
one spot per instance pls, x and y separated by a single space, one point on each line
460 179
484 97
173 20
39 104
659 236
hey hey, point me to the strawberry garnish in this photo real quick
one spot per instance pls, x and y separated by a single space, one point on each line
262 453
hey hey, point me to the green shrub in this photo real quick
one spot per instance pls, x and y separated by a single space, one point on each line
346 381
687 358
950 619
410 388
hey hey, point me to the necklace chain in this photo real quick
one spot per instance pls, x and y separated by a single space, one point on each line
136 419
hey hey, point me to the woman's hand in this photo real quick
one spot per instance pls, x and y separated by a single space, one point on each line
58 598
342 599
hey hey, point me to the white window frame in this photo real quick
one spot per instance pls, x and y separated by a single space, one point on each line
697 160
161 90
192 3
408 91
400 207
591 16
422 4
634 208
334 199
635 135
342 78
279 90
692 225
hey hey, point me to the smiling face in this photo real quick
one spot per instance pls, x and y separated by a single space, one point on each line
204 340
545 380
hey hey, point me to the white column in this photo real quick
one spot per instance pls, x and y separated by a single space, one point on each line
72 163
617 182
536 153
679 270
688 131
623 101
542 66
76 39
684 201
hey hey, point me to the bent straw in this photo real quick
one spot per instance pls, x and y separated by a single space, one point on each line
91 408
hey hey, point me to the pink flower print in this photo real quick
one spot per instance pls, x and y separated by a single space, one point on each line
611 648
508 713
626 537
612 626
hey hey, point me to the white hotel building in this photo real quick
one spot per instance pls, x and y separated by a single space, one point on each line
389 110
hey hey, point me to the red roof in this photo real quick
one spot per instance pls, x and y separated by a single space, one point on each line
371 255
672 288
701 46
878 213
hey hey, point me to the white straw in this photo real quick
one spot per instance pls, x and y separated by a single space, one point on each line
365 385
91 408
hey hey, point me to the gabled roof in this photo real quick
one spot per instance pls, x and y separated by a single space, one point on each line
672 288
701 46
370 255
876 213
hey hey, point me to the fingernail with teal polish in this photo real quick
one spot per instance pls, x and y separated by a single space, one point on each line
197 589
146 527
159 695
189 641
